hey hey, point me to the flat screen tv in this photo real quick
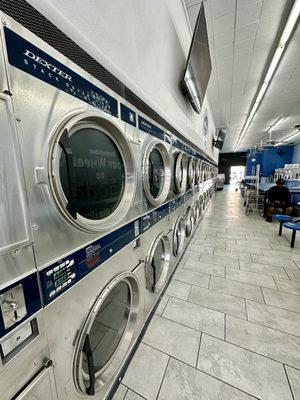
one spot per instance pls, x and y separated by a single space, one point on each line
219 141
198 66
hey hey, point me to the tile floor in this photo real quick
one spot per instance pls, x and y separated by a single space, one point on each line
228 327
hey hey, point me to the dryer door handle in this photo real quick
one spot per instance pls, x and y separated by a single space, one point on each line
87 350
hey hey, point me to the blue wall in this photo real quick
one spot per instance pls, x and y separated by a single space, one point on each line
296 156
269 160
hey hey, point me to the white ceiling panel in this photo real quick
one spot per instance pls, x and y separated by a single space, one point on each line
242 34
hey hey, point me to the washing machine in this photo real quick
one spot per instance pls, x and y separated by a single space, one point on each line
198 172
79 167
94 325
189 215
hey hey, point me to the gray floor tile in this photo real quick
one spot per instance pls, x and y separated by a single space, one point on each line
285 285
192 277
182 382
273 317
238 254
224 261
236 288
133 396
274 260
251 277
178 289
205 268
266 341
195 316
218 301
162 304
283 300
246 249
120 393
174 339
262 244
277 253
293 274
253 373
263 269
146 371
294 378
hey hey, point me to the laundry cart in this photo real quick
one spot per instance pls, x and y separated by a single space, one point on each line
253 201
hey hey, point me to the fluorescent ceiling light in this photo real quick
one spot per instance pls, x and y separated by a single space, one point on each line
275 125
289 137
287 31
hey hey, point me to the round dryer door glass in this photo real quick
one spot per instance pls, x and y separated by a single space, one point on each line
179 172
109 326
178 236
158 263
103 341
156 172
92 173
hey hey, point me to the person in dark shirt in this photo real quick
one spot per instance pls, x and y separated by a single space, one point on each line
278 198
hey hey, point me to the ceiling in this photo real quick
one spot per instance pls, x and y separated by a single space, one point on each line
242 34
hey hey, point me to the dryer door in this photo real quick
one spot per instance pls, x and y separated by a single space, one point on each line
197 172
178 236
191 172
107 333
92 172
180 172
156 173
189 221
158 262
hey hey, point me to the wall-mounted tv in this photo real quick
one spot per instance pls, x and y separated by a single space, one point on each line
198 66
219 141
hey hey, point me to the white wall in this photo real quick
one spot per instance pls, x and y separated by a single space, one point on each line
296 154
145 43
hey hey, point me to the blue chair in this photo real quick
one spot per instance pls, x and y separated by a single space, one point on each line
282 218
294 226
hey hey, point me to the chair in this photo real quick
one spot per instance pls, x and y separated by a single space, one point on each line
282 218
294 226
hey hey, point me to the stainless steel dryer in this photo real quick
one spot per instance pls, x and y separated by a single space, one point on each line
79 167
191 171
25 367
94 325
178 234
157 248
154 162
180 168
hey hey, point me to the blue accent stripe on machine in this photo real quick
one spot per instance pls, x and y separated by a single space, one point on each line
29 58
128 115
152 129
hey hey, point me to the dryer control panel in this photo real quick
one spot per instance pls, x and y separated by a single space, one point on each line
59 276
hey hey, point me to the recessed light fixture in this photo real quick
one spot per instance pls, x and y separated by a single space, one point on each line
285 36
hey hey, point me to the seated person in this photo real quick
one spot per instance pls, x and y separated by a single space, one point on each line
278 197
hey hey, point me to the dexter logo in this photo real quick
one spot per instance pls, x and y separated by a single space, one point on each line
46 64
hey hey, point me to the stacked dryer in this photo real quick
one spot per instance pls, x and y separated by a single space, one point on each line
99 203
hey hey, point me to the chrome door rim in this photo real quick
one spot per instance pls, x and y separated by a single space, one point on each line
191 172
156 201
178 246
112 366
189 223
151 286
180 171
102 123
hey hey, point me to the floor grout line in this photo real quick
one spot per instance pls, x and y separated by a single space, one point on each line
163 378
289 383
